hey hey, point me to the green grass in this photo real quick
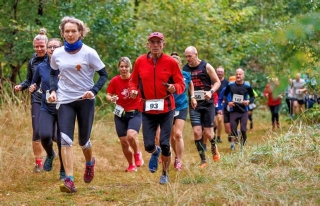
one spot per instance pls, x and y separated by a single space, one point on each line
275 168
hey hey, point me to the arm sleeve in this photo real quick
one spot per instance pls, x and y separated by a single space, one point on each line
133 82
101 81
54 80
178 79
220 99
27 82
36 77
251 95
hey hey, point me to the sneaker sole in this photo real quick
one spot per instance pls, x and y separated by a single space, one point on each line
63 188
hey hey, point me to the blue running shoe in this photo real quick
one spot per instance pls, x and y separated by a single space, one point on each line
153 162
164 179
47 166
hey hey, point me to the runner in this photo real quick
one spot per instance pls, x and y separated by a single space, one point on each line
48 119
127 118
205 82
75 92
238 95
40 46
180 116
155 77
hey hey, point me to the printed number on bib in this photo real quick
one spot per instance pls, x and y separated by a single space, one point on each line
118 110
155 104
199 95
237 98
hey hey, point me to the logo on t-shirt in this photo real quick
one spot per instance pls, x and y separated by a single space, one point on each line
125 94
78 67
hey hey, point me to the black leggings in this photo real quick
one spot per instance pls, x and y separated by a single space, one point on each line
35 114
83 111
274 114
49 131
235 119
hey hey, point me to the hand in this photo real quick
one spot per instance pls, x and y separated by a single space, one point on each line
53 97
245 102
114 98
220 112
17 88
194 103
133 94
88 95
32 87
207 95
231 104
171 88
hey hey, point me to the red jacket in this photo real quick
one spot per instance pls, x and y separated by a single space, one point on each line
268 93
148 78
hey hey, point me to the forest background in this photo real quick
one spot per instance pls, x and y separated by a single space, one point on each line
266 38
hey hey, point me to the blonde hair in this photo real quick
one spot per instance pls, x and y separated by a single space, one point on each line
82 27
41 36
126 60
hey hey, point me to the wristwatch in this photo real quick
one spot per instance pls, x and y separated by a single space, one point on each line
212 91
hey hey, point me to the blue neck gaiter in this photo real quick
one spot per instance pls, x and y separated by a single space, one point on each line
72 47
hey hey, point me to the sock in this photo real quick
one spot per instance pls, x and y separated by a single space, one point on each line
200 149
39 162
71 178
89 163
164 173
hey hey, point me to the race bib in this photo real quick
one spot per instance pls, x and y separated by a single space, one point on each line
237 98
176 113
118 110
252 106
155 104
199 95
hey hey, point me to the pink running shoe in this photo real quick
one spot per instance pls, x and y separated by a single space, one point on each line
131 168
68 186
89 172
178 165
138 159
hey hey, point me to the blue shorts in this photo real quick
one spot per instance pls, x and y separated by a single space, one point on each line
130 120
202 115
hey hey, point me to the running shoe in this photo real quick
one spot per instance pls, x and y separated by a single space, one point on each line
233 147
68 186
89 172
203 164
175 162
215 153
138 159
47 166
164 179
38 168
131 168
153 162
178 166
62 176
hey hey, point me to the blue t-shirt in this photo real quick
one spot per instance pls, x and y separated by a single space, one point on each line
181 99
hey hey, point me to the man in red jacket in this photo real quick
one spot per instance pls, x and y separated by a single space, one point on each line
155 77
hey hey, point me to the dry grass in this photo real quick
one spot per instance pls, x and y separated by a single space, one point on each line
276 168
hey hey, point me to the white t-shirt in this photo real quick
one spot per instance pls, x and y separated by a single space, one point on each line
76 72
296 86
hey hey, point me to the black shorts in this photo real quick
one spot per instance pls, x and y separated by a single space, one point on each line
130 120
226 116
300 101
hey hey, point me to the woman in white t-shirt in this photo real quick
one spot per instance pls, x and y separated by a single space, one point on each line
75 94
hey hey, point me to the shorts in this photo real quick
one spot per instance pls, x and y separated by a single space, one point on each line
300 101
226 116
202 115
182 114
130 120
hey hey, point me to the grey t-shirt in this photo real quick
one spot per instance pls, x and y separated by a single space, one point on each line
76 72
296 86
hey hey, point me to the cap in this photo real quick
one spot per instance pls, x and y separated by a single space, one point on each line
156 34
232 78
